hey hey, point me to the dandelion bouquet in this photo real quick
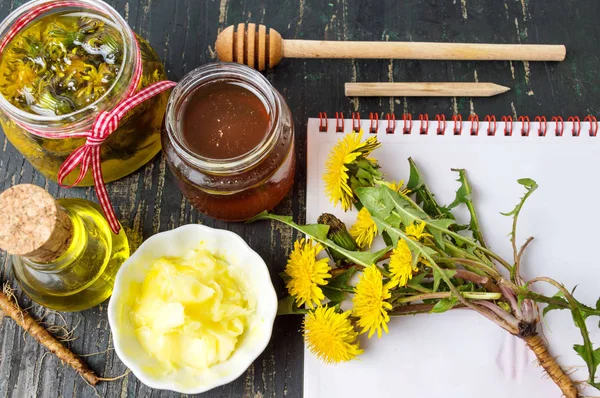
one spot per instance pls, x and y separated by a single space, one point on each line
431 264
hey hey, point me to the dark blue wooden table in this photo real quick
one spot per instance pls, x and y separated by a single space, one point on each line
183 32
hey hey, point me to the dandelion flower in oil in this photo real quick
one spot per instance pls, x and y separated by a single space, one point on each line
22 79
370 305
417 231
330 335
152 78
8 87
306 273
29 42
401 265
75 69
97 80
346 158
364 230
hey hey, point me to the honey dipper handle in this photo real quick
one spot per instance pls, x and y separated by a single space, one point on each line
416 50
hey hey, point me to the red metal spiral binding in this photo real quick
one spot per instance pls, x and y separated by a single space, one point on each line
322 122
576 125
339 122
424 119
492 126
356 122
373 123
407 125
526 125
474 119
441 120
508 121
457 119
391 123
560 125
491 120
593 125
543 125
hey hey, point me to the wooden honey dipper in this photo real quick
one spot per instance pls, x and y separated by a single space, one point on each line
261 49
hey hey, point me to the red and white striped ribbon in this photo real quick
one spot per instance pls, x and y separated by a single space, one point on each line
105 124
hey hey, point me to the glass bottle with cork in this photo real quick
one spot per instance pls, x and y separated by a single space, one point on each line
64 255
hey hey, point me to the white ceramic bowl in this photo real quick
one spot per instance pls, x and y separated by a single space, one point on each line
177 243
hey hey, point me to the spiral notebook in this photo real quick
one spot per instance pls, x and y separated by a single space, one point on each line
459 353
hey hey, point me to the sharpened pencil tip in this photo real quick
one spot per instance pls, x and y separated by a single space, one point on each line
500 89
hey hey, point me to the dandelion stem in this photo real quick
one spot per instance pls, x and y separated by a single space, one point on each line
340 270
485 259
418 287
477 234
442 295
457 252
471 276
510 296
457 236
474 264
516 271
505 316
559 302
414 309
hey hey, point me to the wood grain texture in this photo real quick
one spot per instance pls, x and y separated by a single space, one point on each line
184 31
420 89
422 50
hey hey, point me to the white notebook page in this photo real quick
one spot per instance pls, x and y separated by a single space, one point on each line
459 353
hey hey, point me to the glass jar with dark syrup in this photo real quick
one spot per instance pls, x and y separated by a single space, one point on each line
228 137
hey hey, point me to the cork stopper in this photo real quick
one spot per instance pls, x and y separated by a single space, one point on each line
33 225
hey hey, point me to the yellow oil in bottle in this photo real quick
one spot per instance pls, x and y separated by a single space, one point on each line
83 276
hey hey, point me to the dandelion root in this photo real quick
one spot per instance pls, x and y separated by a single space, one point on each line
11 308
549 364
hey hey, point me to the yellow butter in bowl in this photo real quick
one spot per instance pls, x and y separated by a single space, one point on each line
192 308
190 311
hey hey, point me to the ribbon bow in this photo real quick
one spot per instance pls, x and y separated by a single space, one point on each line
106 123
89 153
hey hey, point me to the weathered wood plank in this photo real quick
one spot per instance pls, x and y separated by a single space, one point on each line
183 33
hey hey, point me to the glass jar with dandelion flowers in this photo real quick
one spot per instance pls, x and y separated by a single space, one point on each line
63 64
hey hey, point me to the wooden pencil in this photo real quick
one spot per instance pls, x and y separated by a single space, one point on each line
424 89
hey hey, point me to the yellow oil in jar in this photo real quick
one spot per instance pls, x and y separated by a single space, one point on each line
61 65
83 276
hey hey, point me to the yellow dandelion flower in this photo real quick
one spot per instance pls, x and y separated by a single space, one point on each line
307 273
364 230
398 187
97 81
369 302
22 79
75 68
417 231
8 87
424 262
336 177
330 335
401 265
33 33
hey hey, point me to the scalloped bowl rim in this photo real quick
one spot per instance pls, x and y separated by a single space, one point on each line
268 296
